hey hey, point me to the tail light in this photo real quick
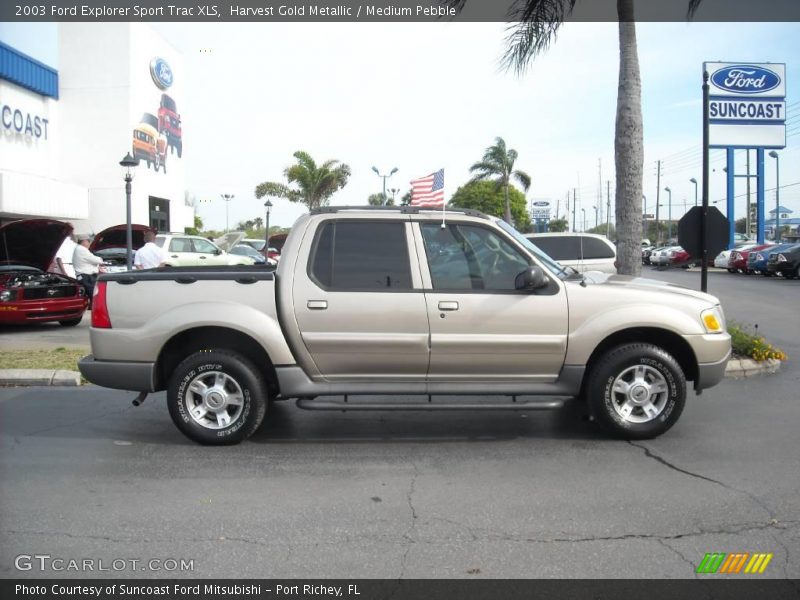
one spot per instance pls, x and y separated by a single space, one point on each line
100 318
759 257
781 258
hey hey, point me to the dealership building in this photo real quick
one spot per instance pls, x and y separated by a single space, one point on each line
118 88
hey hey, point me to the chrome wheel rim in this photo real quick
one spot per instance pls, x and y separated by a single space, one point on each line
214 400
639 394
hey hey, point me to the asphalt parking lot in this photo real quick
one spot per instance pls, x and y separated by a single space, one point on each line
464 495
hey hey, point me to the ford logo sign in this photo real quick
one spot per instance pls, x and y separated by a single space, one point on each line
541 203
161 73
745 79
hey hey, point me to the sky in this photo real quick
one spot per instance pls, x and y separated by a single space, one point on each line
420 97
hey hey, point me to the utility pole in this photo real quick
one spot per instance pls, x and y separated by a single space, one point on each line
658 204
574 207
599 189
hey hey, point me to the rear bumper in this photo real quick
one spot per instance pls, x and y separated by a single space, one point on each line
136 376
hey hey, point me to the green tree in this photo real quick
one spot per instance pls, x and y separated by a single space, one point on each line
406 199
535 24
557 225
198 226
741 225
488 198
377 200
313 184
498 164
602 228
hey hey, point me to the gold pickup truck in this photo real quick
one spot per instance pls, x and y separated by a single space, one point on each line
395 302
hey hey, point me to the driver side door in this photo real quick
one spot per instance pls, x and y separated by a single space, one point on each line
482 327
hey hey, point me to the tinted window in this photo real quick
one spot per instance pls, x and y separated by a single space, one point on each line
558 247
470 257
594 248
361 256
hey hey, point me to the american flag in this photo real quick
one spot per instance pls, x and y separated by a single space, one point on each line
428 191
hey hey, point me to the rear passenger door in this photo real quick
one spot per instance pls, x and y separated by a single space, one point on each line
359 305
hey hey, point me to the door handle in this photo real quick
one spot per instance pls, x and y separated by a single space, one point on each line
448 305
317 304
202 258
174 256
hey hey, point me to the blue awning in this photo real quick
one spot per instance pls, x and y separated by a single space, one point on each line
27 72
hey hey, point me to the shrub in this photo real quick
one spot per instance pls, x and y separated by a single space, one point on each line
752 345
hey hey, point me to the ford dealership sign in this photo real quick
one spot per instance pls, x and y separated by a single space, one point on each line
745 79
161 73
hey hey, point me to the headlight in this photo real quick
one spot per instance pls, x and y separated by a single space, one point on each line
713 320
5 296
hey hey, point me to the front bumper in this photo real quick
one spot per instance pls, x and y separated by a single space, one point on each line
135 376
710 374
42 311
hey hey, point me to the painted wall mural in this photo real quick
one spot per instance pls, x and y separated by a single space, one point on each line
159 133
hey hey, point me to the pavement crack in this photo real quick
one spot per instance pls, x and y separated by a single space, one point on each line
680 555
407 535
661 460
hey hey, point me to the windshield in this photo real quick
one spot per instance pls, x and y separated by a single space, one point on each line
551 265
168 103
150 119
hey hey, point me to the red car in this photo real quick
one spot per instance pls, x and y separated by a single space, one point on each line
111 245
28 293
169 123
738 258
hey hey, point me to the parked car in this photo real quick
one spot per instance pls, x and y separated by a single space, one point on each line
28 293
738 259
259 245
169 124
111 245
785 262
722 259
740 239
757 259
185 250
581 251
258 258
660 258
148 144
387 303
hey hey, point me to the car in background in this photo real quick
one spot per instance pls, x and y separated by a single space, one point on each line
738 259
111 245
740 239
660 258
757 259
259 244
581 251
185 250
721 260
258 258
785 262
28 293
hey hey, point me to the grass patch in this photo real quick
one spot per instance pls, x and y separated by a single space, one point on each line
748 344
59 358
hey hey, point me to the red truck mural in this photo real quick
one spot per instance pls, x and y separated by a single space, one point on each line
169 123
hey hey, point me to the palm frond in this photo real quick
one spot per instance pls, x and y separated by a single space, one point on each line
693 6
536 23
523 178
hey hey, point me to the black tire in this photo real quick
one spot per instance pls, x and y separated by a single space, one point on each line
731 270
244 421
71 322
655 362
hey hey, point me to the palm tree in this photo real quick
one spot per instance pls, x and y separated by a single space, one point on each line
314 184
498 162
536 23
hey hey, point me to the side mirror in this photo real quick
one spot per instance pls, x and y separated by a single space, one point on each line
532 278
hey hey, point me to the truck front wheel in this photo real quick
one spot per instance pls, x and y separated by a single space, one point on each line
217 397
636 391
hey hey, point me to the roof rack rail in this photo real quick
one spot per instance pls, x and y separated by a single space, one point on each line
405 210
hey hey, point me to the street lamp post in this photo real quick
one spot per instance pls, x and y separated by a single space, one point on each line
268 206
384 177
128 164
774 155
227 198
694 181
583 210
596 224
393 192
669 214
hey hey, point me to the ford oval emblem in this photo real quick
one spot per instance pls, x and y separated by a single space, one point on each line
745 79
161 73
541 203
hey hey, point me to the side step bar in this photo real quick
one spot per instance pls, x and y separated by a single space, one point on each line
309 404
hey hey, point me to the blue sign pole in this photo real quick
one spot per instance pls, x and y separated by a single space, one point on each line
729 167
760 195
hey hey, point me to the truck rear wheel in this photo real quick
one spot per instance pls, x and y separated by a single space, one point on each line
636 391
217 397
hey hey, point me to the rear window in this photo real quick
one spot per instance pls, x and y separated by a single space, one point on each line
558 247
361 256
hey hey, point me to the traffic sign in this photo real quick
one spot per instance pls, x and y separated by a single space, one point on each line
689 232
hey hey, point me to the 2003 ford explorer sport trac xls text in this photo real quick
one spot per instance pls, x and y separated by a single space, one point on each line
391 302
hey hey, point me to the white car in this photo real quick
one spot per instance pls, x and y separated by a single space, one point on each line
662 257
721 260
581 251
193 250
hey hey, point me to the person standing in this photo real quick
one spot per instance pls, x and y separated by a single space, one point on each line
86 266
151 255
64 257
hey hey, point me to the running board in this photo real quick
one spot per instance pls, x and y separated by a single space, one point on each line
308 404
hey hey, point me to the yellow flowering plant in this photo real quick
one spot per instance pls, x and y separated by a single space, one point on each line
751 345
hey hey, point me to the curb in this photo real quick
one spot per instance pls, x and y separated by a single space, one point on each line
47 377
743 368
